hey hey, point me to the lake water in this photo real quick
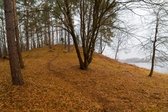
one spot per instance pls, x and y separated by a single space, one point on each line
162 69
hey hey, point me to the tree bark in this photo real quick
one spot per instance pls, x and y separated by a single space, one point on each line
27 26
4 47
49 33
53 34
11 36
65 39
69 42
17 35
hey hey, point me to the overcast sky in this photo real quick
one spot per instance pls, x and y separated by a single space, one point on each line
141 21
137 22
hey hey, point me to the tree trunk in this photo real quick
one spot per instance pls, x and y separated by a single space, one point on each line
27 26
0 52
21 40
154 48
38 40
42 39
57 35
34 43
5 51
61 36
69 42
101 45
82 64
13 55
117 50
65 39
17 35
45 35
53 34
49 33
4 47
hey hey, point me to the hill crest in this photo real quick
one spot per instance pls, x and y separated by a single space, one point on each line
54 82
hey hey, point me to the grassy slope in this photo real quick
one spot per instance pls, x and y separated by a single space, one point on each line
53 83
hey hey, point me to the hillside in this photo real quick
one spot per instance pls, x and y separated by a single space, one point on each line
54 83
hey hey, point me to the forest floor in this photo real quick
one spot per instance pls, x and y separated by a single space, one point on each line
54 83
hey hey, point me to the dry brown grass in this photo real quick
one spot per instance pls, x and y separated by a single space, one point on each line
54 83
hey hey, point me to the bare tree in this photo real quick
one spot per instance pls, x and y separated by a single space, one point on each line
154 43
157 43
93 15
119 42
